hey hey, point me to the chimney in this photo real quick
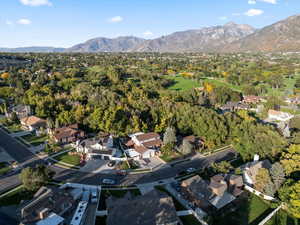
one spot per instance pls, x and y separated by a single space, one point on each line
256 158
44 213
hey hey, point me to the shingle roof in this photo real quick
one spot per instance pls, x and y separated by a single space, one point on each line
33 120
147 136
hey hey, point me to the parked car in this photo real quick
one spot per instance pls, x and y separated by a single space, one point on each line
108 181
94 197
121 172
191 170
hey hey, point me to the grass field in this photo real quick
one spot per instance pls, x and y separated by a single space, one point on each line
181 83
69 159
221 82
251 211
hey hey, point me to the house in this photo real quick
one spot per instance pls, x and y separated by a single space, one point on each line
278 115
252 99
20 110
251 169
233 106
33 123
67 134
48 204
197 142
218 192
153 208
292 100
97 148
144 145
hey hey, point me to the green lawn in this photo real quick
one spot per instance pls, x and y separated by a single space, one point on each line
14 128
251 211
69 159
189 220
35 140
15 197
181 83
221 82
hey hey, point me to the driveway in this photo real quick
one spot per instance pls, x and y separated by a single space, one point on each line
97 166
16 150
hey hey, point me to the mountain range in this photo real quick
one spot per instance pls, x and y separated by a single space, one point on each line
279 37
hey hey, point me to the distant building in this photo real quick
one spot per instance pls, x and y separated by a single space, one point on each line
67 134
233 106
47 205
153 208
252 99
33 123
98 147
279 116
20 110
144 145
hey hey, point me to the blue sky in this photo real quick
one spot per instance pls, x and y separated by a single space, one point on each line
63 23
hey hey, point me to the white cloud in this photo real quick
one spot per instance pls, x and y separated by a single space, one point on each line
251 2
269 1
9 23
147 33
116 19
24 21
36 2
223 18
254 12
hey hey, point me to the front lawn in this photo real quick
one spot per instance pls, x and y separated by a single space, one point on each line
250 211
69 159
13 128
35 140
170 157
16 196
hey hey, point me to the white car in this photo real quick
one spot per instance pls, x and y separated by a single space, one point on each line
94 197
108 181
191 170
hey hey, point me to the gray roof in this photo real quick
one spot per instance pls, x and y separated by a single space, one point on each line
199 187
152 208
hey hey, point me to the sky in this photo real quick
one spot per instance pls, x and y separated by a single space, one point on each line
64 23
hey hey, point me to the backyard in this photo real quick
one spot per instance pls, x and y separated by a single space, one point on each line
15 196
250 211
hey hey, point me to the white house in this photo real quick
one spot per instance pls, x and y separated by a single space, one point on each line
278 115
97 148
143 145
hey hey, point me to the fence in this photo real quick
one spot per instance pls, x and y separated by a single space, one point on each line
258 193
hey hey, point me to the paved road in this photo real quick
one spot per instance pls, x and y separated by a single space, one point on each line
16 150
67 175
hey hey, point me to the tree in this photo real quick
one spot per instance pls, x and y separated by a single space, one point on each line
186 147
277 174
14 117
270 189
222 167
262 179
34 178
295 123
289 193
290 159
170 136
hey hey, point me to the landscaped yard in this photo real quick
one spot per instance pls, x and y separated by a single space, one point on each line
170 157
73 160
35 140
181 83
250 212
15 197
14 128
